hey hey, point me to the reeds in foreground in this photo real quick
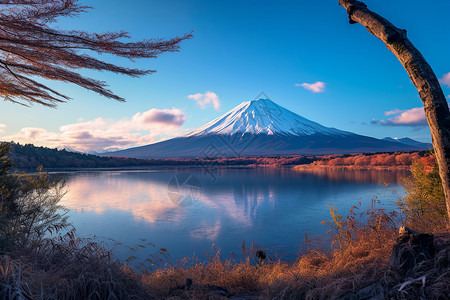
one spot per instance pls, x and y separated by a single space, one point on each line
70 268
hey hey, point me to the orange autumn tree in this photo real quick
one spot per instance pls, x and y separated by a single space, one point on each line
30 48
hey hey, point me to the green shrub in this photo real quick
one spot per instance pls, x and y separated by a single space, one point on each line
29 207
424 204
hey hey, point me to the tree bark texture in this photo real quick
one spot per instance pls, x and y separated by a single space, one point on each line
422 76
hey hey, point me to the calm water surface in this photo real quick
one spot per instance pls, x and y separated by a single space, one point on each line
187 211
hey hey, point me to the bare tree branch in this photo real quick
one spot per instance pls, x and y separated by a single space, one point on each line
422 76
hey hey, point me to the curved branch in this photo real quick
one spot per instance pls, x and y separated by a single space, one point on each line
422 76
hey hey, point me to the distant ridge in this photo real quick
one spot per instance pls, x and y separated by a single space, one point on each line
263 128
410 142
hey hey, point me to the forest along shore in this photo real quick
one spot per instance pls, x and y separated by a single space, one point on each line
28 157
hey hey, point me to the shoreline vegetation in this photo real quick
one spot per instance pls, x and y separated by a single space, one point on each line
352 167
30 157
41 259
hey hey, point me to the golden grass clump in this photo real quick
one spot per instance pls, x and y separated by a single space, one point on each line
363 245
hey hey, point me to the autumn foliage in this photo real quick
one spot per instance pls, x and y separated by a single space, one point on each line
377 159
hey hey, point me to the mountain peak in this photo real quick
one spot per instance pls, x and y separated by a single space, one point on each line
263 116
262 100
262 128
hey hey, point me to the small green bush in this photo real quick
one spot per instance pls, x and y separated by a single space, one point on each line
30 208
424 204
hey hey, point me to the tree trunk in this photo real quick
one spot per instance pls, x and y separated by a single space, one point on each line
422 76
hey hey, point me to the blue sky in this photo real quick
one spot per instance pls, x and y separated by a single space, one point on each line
239 49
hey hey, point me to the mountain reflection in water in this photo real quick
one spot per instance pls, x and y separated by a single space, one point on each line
274 207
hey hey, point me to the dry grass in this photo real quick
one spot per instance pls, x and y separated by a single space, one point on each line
354 264
429 279
66 268
316 275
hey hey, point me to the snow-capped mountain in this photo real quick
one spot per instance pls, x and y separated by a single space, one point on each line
261 128
263 116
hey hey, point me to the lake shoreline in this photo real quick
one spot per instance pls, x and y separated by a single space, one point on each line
200 166
310 167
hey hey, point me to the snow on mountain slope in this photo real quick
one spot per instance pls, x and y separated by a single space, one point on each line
261 128
263 116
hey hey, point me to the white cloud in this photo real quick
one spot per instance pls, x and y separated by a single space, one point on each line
2 128
105 134
414 117
316 87
445 80
203 100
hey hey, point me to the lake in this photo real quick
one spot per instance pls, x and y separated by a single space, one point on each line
188 210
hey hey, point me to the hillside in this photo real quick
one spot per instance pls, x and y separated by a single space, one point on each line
30 157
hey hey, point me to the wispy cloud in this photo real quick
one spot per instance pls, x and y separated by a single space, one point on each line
414 117
103 134
445 80
204 100
395 111
316 87
2 128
